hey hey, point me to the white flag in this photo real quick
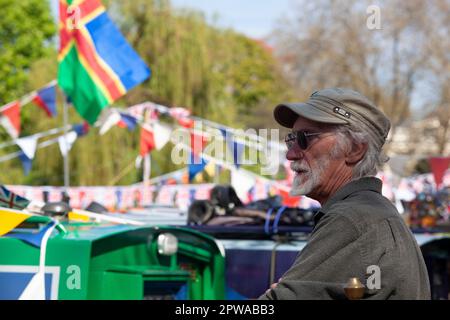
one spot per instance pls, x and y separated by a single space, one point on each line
161 134
65 143
28 146
110 120
242 182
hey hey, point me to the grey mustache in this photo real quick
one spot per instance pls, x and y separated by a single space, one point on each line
298 167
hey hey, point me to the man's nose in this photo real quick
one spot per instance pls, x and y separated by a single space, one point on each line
294 154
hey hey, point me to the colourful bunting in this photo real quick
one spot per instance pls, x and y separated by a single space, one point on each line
161 134
127 121
438 167
196 165
234 147
46 100
81 129
242 182
108 120
10 118
147 143
26 163
66 141
198 143
28 145
182 116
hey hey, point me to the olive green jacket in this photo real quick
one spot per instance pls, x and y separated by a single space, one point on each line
356 231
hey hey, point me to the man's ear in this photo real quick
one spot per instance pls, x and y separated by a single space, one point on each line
356 153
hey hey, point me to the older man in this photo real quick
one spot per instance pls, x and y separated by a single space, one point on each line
335 151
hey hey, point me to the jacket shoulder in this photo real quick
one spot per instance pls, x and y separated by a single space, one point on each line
365 209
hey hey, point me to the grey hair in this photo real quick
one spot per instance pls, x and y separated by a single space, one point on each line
373 159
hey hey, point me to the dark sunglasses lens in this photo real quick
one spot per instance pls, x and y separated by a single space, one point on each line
302 142
290 140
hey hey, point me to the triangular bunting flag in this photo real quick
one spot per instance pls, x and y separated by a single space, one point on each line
223 132
127 121
438 167
198 143
161 134
81 129
10 118
28 145
147 143
26 163
46 100
65 144
235 148
196 165
109 121
182 116
242 182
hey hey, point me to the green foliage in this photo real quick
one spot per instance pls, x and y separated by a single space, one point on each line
26 30
217 74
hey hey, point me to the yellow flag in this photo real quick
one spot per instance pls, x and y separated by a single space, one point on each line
9 219
74 216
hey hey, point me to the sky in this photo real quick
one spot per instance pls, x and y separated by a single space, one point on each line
254 18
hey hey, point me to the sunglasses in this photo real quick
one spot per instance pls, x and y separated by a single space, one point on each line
301 138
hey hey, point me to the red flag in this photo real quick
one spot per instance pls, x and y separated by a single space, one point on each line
186 122
182 116
147 140
11 118
198 143
438 166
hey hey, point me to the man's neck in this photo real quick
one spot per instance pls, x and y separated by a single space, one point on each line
331 188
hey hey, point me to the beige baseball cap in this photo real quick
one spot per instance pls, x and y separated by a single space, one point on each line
337 106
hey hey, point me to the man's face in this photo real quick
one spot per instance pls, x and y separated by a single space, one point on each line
314 167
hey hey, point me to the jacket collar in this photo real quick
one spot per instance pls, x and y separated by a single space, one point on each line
362 184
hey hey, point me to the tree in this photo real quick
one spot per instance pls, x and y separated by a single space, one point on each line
437 49
218 74
26 32
327 43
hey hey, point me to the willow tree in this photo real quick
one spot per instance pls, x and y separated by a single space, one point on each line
218 74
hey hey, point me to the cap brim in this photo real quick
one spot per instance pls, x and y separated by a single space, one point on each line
287 113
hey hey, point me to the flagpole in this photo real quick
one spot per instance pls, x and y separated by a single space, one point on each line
66 155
